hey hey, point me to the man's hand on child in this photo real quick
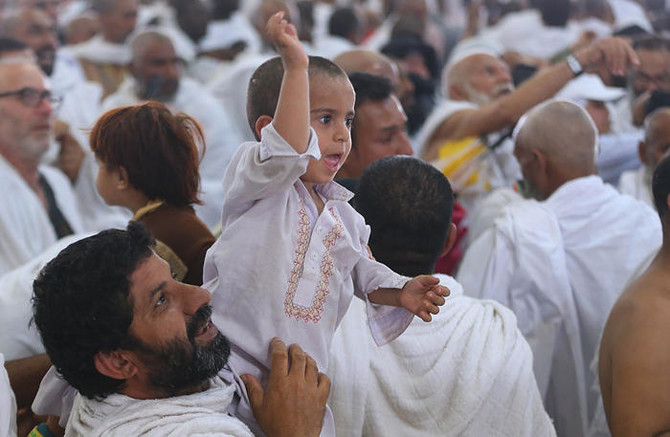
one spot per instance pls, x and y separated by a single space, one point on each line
284 36
423 295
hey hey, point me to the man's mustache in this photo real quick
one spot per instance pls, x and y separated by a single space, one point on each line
199 319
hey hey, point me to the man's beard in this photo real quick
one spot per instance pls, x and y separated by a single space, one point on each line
480 98
158 88
182 365
46 57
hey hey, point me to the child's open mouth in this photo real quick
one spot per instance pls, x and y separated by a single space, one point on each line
332 162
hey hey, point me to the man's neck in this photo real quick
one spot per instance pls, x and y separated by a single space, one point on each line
27 169
144 391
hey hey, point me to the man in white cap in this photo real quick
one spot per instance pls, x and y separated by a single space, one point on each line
467 131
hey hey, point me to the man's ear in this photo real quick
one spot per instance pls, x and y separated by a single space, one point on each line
642 152
115 364
456 92
451 239
261 122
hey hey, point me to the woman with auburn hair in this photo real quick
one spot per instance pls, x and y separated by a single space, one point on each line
149 164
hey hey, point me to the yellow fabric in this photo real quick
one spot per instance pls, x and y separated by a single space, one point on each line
459 161
152 205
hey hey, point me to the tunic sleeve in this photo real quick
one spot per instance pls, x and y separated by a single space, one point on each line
261 170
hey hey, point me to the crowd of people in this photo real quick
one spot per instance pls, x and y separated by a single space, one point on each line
334 218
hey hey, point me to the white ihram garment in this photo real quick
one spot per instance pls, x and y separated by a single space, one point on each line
466 373
199 414
7 404
560 265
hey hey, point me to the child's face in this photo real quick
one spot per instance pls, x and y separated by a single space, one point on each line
331 104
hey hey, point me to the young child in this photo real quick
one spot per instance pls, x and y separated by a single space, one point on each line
149 164
292 250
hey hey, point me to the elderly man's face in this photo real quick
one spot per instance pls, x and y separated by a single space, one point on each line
38 32
180 346
157 71
380 131
653 72
657 147
488 78
24 129
119 22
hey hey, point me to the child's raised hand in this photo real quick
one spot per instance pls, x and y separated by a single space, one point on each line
284 36
422 296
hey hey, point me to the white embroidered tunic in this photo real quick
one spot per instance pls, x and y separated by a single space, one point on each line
284 270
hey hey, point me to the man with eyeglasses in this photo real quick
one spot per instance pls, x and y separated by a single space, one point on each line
652 74
39 205
156 74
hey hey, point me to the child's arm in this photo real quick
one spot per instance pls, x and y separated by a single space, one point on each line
291 119
420 296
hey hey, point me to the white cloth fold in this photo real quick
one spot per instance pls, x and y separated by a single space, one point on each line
198 414
7 404
466 373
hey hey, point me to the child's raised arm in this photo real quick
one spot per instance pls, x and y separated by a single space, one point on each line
421 296
291 119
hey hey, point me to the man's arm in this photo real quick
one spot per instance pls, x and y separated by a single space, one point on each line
25 376
613 54
294 402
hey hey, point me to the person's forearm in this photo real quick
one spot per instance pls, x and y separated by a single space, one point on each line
25 376
385 296
292 115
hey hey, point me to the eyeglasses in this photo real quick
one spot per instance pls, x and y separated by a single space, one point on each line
32 97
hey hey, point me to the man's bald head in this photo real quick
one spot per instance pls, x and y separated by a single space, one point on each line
555 142
478 78
656 137
367 61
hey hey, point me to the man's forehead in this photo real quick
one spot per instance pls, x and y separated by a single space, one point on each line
16 75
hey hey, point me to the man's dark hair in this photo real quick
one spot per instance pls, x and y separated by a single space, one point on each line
343 23
368 87
408 205
652 43
555 13
660 186
265 84
8 45
81 304
224 9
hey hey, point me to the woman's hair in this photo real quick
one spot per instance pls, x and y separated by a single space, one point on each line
157 149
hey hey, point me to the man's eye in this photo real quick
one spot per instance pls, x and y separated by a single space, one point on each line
325 119
161 300
349 121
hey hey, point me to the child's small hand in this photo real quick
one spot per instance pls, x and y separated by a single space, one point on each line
422 296
284 36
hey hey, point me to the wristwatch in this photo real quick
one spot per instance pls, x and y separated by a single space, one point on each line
574 65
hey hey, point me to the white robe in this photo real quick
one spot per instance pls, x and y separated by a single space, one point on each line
19 337
220 139
25 228
100 51
7 404
198 414
560 265
637 184
466 373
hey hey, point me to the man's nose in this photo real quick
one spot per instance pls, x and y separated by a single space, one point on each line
404 146
193 298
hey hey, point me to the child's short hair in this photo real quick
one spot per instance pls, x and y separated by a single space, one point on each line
157 149
265 84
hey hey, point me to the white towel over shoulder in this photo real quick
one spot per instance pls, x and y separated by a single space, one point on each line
466 373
